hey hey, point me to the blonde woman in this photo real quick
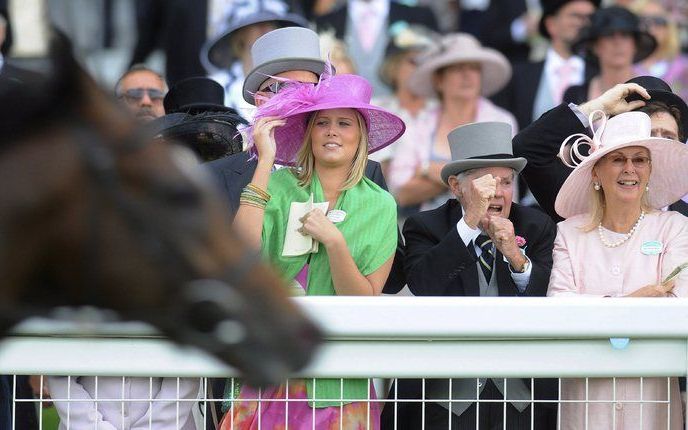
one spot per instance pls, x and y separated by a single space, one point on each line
325 132
616 241
665 62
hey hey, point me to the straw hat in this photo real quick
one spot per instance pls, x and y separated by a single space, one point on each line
478 145
298 101
461 48
216 53
668 181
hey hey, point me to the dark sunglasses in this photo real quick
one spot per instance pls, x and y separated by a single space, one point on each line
277 86
135 95
656 21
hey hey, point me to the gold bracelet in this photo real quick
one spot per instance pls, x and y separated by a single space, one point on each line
256 189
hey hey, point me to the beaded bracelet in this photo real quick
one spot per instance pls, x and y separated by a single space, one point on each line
257 190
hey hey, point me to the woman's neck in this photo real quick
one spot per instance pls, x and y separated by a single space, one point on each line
458 112
620 218
611 76
331 179
409 101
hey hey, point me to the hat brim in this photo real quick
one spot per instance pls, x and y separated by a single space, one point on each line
216 54
261 73
455 167
383 129
495 72
668 183
645 44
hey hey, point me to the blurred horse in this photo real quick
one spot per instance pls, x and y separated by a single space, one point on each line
93 215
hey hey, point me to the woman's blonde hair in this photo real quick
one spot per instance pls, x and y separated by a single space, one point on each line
305 160
597 207
672 45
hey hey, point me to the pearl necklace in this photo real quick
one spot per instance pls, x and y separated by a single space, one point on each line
625 237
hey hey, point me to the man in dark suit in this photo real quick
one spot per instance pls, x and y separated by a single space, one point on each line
363 26
536 87
479 244
540 142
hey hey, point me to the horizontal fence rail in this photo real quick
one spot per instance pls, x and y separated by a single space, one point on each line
408 340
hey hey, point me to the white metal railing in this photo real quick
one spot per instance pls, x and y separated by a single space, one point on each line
400 337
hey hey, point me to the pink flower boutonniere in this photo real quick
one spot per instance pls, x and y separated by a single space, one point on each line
520 241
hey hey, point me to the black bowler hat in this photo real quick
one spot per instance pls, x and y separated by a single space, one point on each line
194 95
661 91
611 20
551 7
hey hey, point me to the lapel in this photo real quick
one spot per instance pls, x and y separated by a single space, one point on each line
531 85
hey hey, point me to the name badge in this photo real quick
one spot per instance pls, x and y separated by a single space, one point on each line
336 215
651 247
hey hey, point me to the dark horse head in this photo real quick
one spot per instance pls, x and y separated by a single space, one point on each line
92 214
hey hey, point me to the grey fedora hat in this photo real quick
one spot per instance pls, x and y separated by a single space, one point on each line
481 144
282 50
217 53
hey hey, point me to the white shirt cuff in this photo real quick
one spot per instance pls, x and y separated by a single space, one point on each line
466 233
581 117
521 279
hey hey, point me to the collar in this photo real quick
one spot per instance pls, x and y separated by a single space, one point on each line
553 61
358 7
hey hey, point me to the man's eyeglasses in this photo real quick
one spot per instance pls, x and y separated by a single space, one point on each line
277 86
640 162
135 95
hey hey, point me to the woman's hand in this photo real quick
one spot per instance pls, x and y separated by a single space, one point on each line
318 226
661 290
264 137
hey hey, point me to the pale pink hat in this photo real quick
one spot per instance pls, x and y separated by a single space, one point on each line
298 101
668 180
460 48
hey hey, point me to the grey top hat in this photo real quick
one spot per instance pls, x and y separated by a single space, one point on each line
216 52
481 144
282 50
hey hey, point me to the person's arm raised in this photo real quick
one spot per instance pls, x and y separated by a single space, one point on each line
249 218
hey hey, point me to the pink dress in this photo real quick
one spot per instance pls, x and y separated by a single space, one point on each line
585 267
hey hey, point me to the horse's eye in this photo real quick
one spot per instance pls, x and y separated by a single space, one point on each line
181 196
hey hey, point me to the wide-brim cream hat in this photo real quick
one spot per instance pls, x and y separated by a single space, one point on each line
668 180
460 48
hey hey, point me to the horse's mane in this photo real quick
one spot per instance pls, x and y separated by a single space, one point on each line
31 101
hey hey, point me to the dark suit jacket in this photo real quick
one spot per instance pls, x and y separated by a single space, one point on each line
497 29
233 173
397 12
518 97
439 264
539 143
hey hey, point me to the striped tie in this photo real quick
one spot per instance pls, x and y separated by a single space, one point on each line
487 255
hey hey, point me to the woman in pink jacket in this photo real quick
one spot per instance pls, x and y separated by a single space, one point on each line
617 241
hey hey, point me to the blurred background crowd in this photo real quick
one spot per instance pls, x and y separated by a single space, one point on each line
438 64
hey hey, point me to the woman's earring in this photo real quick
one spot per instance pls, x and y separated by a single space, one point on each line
647 188
596 186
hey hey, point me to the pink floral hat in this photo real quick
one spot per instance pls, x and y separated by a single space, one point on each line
668 181
297 101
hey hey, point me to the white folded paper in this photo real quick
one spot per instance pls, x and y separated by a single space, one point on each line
296 243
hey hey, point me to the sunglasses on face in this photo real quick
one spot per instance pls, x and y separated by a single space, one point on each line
135 95
277 86
654 21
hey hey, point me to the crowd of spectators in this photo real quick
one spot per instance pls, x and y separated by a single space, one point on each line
303 133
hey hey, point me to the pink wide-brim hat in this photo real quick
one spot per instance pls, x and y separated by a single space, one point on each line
298 101
460 48
668 181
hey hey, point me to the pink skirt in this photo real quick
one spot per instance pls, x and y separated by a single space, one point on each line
273 415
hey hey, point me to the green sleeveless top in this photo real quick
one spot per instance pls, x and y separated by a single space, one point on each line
370 231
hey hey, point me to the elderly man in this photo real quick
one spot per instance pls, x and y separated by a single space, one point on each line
479 244
142 90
